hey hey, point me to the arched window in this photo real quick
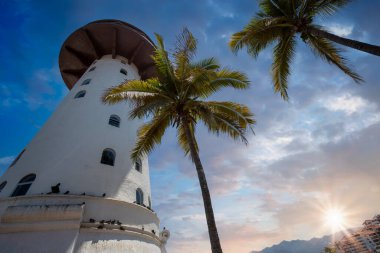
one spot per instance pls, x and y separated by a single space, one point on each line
114 120
87 81
139 196
138 165
123 71
24 185
92 69
17 158
2 185
108 157
149 202
80 94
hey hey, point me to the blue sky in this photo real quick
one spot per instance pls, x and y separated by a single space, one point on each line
319 149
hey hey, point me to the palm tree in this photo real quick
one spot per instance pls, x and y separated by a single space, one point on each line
176 98
330 249
280 20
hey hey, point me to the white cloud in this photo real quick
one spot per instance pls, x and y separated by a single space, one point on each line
347 103
340 30
6 160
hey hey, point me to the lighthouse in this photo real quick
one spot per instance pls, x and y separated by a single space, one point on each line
74 187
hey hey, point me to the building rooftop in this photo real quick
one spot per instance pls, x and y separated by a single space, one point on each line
105 37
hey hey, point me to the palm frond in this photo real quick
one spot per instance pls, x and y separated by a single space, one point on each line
133 89
328 52
207 83
329 7
185 49
148 105
205 64
259 33
229 78
220 120
201 73
162 62
150 134
237 112
307 8
227 126
270 8
282 56
284 7
296 6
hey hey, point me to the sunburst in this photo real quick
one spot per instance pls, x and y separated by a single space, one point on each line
335 218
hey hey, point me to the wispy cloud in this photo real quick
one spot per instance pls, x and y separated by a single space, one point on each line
6 160
340 30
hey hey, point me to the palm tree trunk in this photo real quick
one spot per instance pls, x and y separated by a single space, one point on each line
371 49
212 230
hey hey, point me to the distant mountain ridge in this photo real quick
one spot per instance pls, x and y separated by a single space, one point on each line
314 245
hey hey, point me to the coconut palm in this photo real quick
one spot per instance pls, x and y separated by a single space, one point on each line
330 249
280 21
176 98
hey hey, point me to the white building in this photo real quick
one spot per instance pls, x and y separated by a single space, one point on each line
74 188
363 240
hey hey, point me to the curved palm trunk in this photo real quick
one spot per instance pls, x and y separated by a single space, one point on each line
212 231
365 47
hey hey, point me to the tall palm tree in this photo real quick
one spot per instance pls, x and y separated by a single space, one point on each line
280 21
176 98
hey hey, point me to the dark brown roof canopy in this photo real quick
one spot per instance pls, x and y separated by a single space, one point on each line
104 37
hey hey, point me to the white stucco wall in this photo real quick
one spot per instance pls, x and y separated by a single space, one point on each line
69 146
67 150
61 223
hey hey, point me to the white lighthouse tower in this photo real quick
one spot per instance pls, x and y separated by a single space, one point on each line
74 188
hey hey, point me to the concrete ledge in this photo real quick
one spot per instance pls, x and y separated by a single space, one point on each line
31 218
76 197
37 213
38 227
113 228
94 208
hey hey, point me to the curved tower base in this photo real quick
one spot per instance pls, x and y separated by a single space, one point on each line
68 223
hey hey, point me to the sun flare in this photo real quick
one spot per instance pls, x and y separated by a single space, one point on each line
335 219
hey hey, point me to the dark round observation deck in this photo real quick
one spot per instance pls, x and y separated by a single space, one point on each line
105 37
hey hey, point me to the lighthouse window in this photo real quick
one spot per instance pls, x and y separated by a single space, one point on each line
123 71
92 69
17 158
80 94
2 185
24 185
138 165
114 121
108 157
139 196
87 81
